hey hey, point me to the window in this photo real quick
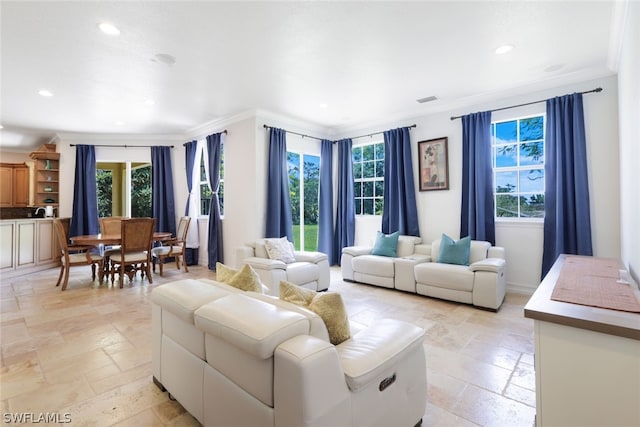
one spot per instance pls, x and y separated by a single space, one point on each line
518 167
304 182
123 189
368 178
205 189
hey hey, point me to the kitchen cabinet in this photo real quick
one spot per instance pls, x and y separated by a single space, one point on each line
26 246
47 178
14 185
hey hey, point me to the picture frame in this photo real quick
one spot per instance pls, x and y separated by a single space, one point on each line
433 163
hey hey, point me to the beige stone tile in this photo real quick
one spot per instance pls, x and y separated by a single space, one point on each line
145 418
76 366
443 390
21 376
131 357
490 353
51 397
490 409
522 395
524 376
436 416
118 379
169 411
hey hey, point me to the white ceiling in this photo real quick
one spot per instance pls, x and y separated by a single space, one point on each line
366 61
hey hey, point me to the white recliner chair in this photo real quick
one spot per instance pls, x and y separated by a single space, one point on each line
309 269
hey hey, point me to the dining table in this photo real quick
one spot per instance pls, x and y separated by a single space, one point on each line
112 239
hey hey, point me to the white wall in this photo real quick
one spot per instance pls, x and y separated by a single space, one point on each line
439 211
629 105
133 153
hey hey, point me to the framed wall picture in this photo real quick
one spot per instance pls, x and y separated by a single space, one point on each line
434 164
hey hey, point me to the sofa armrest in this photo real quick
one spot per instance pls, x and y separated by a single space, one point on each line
308 256
242 253
356 250
494 265
265 263
367 355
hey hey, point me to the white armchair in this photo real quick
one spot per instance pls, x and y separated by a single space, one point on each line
309 269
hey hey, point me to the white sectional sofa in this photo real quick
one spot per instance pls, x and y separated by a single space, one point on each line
235 358
482 283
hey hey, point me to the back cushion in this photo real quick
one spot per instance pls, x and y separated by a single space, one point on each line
406 245
260 248
478 250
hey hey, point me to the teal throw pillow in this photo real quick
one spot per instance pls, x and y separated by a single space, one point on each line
386 244
454 252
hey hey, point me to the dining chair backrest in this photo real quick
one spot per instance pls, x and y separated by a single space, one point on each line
137 234
183 228
111 224
61 225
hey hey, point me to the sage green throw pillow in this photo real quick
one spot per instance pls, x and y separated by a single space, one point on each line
454 252
386 244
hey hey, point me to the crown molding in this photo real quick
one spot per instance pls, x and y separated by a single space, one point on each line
616 35
115 137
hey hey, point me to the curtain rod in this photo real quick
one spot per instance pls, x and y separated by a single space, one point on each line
124 145
598 89
222 131
320 139
295 133
378 133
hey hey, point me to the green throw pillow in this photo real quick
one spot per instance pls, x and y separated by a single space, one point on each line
386 244
454 252
328 305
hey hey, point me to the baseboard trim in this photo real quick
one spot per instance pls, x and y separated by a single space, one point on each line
520 289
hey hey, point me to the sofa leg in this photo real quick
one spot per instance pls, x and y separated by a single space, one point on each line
419 423
159 384
171 397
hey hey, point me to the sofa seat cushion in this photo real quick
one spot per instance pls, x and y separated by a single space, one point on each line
374 265
302 272
450 276
183 297
232 320
372 352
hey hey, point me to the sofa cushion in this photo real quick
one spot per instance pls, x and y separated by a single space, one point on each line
232 319
386 244
374 265
450 276
454 252
245 279
280 249
328 305
302 272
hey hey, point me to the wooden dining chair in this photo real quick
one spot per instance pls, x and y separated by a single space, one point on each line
110 225
135 251
175 247
74 255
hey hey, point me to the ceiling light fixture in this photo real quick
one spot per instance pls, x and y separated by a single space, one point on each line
503 49
427 99
119 123
149 102
44 92
108 28
324 105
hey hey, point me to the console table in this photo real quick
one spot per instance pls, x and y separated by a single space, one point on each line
587 361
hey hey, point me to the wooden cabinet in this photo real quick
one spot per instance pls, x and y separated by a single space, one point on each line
26 246
47 178
587 361
14 185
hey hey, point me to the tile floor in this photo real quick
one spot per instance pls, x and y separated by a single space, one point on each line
85 353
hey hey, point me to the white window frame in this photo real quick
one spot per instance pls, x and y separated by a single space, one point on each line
202 154
360 198
517 168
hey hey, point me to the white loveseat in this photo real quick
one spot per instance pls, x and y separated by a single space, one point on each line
235 358
481 283
309 270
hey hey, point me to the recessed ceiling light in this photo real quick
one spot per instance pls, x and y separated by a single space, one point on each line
44 92
108 28
323 105
503 49
119 123
1 127
149 101
427 99
552 68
